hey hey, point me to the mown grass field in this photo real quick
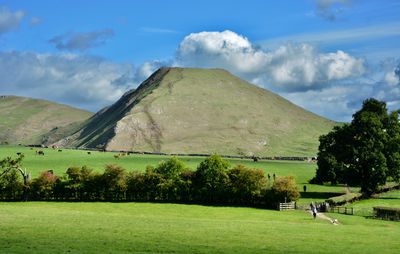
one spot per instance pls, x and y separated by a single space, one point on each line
40 227
101 227
60 161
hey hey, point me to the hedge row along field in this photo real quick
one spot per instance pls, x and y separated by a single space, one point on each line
59 162
214 181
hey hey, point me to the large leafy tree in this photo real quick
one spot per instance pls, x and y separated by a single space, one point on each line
365 152
211 178
392 151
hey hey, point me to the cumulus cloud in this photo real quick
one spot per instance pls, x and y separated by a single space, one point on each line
81 41
10 20
290 67
83 81
339 102
222 49
330 9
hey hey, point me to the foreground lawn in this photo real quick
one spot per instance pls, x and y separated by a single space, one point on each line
40 227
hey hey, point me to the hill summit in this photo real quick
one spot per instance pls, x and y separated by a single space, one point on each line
190 110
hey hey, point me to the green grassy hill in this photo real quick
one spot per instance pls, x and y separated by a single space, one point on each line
184 110
26 120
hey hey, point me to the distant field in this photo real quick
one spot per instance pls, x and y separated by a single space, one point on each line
52 227
60 161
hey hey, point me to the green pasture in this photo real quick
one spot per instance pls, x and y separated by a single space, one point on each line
60 161
365 207
53 227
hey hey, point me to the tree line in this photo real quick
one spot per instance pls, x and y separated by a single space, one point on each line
365 152
214 181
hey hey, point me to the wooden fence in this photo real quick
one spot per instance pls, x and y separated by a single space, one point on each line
287 206
342 210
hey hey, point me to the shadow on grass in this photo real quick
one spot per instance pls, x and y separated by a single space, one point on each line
319 195
385 198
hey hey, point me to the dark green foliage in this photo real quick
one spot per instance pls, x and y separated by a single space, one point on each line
171 168
11 185
11 172
214 182
211 179
365 152
114 182
246 185
77 183
392 150
43 186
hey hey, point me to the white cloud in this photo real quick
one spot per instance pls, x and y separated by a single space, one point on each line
147 68
391 78
10 20
222 49
83 81
289 67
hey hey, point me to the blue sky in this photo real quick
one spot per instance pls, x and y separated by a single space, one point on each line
324 55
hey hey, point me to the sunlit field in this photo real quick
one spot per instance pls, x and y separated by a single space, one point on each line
52 227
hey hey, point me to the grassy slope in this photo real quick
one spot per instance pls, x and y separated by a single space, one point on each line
26 120
39 227
205 111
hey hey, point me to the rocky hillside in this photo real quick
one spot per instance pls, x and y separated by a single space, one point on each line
185 110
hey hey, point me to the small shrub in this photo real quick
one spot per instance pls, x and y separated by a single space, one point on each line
285 188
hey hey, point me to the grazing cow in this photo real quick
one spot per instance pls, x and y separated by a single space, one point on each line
40 152
117 156
255 159
59 150
89 153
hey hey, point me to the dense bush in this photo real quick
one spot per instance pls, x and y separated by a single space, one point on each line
213 182
11 185
284 188
43 187
246 185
